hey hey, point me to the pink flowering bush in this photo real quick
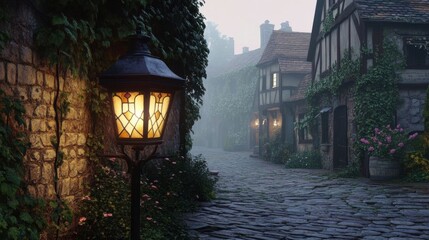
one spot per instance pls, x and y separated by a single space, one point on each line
387 142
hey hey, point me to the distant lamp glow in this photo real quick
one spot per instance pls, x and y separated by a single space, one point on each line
275 123
256 122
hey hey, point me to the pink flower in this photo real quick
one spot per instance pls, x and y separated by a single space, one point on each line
153 187
149 218
400 144
377 130
392 151
380 144
82 220
389 139
398 126
107 214
371 149
363 140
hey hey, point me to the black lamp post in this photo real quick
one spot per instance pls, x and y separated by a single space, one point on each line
142 89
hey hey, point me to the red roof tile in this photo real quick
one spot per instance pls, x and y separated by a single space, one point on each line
286 45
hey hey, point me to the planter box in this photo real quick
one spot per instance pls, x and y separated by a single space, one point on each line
384 169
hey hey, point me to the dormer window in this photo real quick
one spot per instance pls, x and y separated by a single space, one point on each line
274 80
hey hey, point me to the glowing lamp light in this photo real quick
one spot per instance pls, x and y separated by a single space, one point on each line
256 122
142 89
275 123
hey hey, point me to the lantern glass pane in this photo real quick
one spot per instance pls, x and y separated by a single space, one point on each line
158 109
129 108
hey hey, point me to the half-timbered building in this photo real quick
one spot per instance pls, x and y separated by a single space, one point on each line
282 69
342 26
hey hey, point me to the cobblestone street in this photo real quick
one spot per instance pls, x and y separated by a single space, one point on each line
261 200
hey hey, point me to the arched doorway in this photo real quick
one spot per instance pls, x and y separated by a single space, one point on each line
340 137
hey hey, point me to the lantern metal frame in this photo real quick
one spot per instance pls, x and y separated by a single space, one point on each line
139 71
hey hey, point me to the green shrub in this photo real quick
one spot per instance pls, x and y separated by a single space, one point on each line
306 159
351 171
169 188
276 151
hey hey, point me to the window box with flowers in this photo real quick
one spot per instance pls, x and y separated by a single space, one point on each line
386 148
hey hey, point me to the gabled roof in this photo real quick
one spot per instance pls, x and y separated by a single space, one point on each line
394 11
243 60
294 66
302 89
286 45
408 11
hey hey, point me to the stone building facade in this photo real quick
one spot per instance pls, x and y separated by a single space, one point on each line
25 76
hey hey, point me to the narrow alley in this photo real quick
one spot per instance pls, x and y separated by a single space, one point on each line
260 200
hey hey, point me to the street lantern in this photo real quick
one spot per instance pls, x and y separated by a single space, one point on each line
141 88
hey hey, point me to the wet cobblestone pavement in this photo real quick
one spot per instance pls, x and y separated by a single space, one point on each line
261 200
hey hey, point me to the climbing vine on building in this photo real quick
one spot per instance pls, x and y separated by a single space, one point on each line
21 215
376 92
90 36
329 86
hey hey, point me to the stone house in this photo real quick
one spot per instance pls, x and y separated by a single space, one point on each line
280 92
351 25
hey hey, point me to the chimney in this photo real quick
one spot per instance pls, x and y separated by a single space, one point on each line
245 49
230 46
266 30
285 27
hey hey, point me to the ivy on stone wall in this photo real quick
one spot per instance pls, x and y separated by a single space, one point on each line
91 35
21 215
231 102
329 86
376 92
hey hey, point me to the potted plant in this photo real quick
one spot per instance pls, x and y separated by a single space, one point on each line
386 148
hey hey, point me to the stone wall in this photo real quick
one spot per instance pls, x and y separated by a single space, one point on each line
410 111
25 76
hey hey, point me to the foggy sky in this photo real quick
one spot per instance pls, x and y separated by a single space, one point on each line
240 19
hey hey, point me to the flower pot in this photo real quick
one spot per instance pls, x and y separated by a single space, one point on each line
383 169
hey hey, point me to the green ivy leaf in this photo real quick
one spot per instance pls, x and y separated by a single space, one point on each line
26 217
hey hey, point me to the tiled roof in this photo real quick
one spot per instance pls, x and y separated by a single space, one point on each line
243 60
409 11
287 45
302 88
294 66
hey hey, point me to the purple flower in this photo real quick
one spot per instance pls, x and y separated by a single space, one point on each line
392 151
401 144
363 140
389 139
371 149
